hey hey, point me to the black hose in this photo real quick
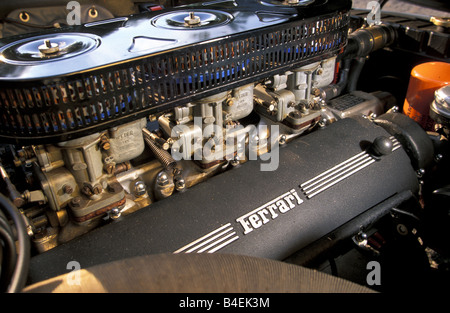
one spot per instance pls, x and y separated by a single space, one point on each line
20 272
364 41
355 73
332 91
8 257
360 44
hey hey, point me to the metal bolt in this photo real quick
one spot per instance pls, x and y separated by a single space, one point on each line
67 189
162 179
295 114
402 229
291 104
272 108
139 188
49 47
282 139
192 19
106 146
110 168
30 231
361 237
180 184
315 91
438 157
115 213
97 189
75 202
87 190
420 172
104 143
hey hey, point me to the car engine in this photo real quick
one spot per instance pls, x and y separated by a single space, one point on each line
305 132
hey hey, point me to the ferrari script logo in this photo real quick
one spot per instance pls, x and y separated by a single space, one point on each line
269 211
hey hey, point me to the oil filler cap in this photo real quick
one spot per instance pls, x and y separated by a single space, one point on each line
440 108
381 146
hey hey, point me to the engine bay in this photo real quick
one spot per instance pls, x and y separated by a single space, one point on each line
298 131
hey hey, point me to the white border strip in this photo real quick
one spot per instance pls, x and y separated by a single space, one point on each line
309 196
211 239
334 175
338 172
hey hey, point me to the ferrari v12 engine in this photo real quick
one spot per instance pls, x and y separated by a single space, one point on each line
222 126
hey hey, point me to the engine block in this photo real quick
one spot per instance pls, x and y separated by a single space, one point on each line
226 126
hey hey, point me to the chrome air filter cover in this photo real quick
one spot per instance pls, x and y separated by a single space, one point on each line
192 20
92 77
52 47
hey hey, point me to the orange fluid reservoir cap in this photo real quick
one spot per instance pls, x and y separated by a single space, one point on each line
425 79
